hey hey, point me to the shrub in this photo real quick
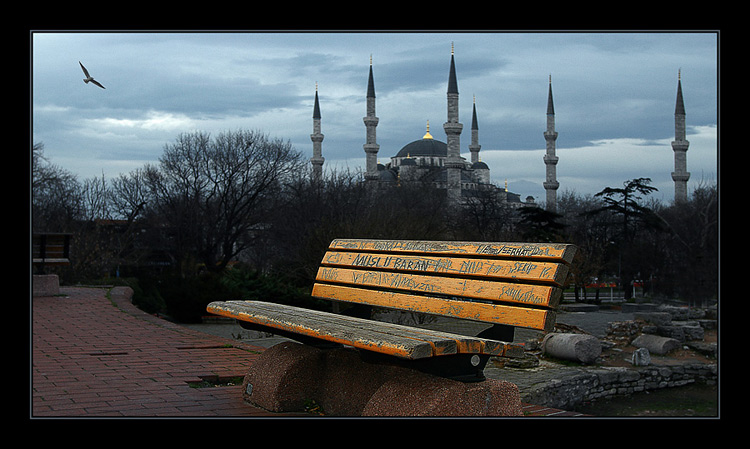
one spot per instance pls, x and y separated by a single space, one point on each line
146 296
254 286
186 298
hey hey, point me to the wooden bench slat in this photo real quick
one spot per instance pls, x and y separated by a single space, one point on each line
540 251
531 318
312 324
401 341
497 269
52 254
527 294
48 261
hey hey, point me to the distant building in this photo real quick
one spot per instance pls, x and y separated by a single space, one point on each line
431 160
550 158
680 145
427 159
441 164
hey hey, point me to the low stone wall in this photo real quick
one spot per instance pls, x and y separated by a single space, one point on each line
608 382
656 329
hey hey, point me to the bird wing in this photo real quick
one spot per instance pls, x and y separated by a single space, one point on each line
85 72
97 83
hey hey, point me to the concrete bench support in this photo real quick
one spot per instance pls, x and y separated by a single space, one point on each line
288 376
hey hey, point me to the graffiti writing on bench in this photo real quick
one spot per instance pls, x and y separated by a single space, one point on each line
462 287
519 251
328 274
524 295
402 263
444 265
414 246
392 280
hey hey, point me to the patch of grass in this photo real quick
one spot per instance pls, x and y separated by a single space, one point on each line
217 382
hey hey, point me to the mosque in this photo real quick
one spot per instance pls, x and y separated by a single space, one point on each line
427 160
441 164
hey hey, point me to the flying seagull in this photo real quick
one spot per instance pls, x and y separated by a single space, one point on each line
88 77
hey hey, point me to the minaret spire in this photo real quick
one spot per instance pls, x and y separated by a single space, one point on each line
452 127
452 83
550 158
474 147
680 175
371 146
317 139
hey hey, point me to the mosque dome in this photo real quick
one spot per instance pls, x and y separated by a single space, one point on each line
480 166
387 175
426 147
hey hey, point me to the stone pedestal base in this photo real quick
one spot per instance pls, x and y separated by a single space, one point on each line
45 285
288 376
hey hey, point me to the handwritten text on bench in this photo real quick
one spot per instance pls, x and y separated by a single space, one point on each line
442 265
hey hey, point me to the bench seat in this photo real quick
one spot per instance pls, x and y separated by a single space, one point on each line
393 339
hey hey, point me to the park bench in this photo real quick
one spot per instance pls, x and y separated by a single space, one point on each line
505 285
50 249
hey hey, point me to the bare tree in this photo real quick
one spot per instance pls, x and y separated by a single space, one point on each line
128 195
213 192
486 217
55 194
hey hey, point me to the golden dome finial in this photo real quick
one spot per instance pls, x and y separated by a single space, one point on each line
451 47
370 58
679 74
316 86
427 135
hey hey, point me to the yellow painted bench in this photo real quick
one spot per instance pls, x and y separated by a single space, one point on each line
507 285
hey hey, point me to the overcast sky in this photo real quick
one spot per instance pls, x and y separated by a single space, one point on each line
614 98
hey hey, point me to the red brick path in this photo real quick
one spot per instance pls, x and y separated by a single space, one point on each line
94 356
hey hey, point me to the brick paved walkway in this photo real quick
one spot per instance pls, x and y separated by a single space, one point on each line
99 356
92 358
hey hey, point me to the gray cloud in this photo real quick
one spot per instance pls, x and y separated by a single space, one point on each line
608 87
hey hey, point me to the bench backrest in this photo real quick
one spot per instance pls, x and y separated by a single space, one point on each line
516 284
50 248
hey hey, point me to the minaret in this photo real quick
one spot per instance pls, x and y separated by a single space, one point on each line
550 160
371 122
317 138
474 147
452 127
680 145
